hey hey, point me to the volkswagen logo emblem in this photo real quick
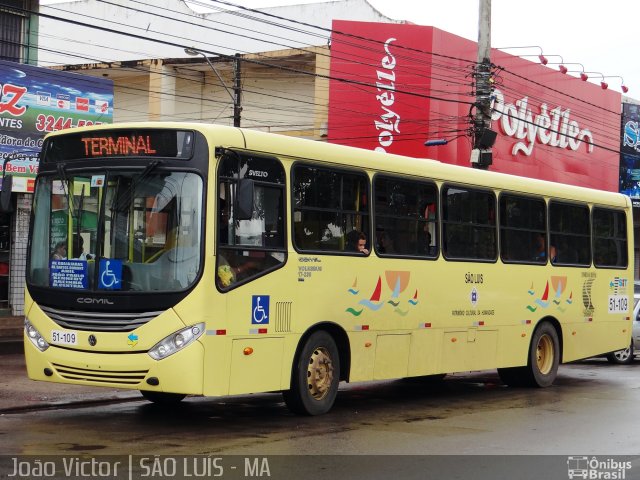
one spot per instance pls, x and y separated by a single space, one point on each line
92 340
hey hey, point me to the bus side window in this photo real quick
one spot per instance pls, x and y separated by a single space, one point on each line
252 243
406 217
328 204
523 229
570 232
469 223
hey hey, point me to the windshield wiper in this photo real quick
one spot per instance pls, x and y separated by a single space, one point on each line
123 202
62 173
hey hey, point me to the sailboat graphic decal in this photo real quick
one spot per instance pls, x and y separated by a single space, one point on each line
543 302
395 294
414 300
374 302
559 298
397 282
354 288
556 300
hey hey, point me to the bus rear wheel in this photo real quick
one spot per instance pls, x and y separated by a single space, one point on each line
542 364
162 398
315 376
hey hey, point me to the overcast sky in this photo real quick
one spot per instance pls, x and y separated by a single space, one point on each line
602 36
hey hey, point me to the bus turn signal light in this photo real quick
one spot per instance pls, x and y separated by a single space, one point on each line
247 350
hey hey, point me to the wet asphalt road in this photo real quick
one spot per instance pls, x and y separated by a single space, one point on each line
591 410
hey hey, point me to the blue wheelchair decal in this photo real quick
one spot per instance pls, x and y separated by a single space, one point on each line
260 309
110 274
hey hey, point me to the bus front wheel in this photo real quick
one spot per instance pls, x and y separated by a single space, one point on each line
162 398
315 376
542 365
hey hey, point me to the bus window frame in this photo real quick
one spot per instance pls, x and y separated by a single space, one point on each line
340 170
553 235
246 249
464 186
437 221
593 238
545 232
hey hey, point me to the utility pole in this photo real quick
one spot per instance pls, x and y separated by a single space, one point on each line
237 87
237 91
484 137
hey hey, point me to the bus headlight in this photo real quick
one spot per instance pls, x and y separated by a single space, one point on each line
176 341
34 335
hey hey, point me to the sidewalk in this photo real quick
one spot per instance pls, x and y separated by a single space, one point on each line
18 393
11 335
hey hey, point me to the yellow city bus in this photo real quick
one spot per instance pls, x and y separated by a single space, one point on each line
209 260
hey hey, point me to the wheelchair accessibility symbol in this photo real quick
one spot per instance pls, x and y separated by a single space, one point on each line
110 274
260 309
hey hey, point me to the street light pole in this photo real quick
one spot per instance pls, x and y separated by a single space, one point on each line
237 89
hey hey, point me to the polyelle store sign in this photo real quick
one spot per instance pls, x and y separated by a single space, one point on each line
406 84
35 101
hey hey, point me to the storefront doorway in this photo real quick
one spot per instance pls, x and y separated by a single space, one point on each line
5 255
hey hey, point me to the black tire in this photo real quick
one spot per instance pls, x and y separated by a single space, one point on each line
315 376
542 363
622 357
163 398
512 376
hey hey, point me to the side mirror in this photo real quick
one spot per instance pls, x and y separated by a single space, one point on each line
5 194
245 200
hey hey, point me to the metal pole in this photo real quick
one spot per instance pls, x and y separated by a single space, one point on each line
237 91
482 119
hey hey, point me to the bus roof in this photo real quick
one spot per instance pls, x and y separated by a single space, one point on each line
299 148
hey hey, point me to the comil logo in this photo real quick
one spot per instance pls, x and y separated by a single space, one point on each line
597 469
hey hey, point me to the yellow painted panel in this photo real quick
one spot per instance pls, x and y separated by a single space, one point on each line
259 371
424 358
181 372
392 356
363 355
454 351
586 339
482 354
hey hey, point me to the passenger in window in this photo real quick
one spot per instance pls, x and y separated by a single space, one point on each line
428 248
385 243
78 249
356 242
59 251
540 254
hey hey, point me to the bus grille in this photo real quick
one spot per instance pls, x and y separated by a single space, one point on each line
125 377
99 322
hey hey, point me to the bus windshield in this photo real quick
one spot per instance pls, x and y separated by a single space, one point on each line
119 230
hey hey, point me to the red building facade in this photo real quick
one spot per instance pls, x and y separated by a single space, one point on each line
394 86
